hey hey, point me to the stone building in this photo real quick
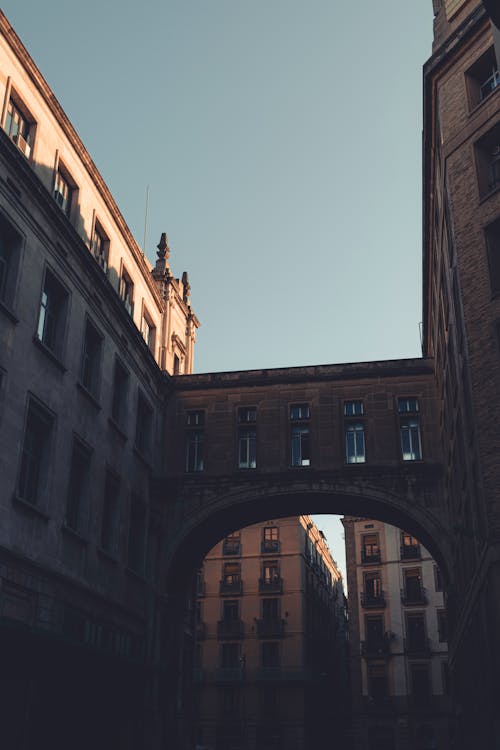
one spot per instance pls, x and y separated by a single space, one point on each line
271 666
398 640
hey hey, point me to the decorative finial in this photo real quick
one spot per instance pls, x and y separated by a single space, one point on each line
186 287
163 248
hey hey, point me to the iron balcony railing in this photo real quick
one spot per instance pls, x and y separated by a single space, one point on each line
232 587
370 599
410 551
270 627
229 630
231 548
270 585
369 557
270 546
413 596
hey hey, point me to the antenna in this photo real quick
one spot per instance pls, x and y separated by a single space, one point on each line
146 220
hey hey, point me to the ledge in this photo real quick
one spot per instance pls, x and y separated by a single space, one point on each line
140 455
90 396
107 555
117 429
74 534
49 353
30 508
8 313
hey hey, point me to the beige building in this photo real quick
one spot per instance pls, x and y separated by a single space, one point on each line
270 656
398 640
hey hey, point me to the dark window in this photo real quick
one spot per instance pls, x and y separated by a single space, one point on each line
195 441
78 487
232 544
370 550
407 405
195 418
20 127
126 292
271 572
482 77
232 574
148 330
301 455
100 246
33 472
247 448
52 316
299 412
442 625
374 626
120 390
91 360
488 161
177 365
372 588
143 426
10 243
438 581
137 535
420 685
230 610
492 233
353 408
413 589
270 539
270 609
415 633
355 443
270 654
377 682
110 513
268 703
229 703
64 190
230 655
410 547
247 414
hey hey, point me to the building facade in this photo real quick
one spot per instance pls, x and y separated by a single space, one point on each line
398 638
271 667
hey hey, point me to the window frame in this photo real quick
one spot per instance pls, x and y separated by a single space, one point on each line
76 515
13 99
137 564
90 379
109 531
126 290
65 202
44 460
59 311
119 394
100 248
14 242
144 434
148 329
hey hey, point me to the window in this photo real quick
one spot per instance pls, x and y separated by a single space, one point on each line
271 579
229 703
413 589
230 655
482 78
268 703
438 581
230 610
377 682
137 535
64 189
411 448
416 640
372 594
143 426
10 245
35 452
195 441
353 408
126 291
410 547
374 629
247 438
270 654
91 359
231 578
232 544
148 330
270 539
488 161
110 513
300 435
442 622
52 316
99 246
20 127
177 365
299 412
492 233
120 390
78 487
355 443
420 685
370 550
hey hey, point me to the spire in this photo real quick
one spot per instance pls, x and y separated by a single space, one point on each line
163 248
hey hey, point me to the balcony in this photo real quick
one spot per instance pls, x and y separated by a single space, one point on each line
410 552
413 596
417 647
231 587
270 547
271 628
370 556
376 649
270 585
369 600
231 548
228 630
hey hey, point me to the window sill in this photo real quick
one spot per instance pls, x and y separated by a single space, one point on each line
49 353
117 428
74 534
90 396
30 508
477 107
8 313
490 193
107 555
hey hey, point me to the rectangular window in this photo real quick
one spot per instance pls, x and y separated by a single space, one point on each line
110 513
195 418
413 589
420 685
126 291
482 78
270 539
120 391
20 127
411 447
52 315
230 610
99 246
143 426
231 579
301 455
91 358
370 549
377 682
64 189
230 655
271 579
416 639
148 330
35 452
270 609
10 245
195 440
374 629
137 535
410 547
438 581
247 448
270 655
232 544
492 233
78 488
229 703
373 594
355 443
299 412
442 621
247 414
353 408
488 161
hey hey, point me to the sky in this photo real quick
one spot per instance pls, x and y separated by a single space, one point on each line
280 142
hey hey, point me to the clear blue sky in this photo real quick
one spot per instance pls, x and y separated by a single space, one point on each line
281 142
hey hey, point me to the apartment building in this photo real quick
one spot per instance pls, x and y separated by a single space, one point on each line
271 669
